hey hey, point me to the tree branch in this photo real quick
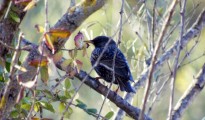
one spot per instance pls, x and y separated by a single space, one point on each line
8 28
97 86
193 32
69 21
191 93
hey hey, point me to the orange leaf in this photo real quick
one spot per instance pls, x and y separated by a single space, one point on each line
38 62
22 2
61 33
35 118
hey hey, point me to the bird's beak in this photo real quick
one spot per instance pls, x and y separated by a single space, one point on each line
88 41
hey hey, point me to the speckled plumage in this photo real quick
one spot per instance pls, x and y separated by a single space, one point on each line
122 72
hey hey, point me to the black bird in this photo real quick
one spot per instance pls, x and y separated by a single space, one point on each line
104 67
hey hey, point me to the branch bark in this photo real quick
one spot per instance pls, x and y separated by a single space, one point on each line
191 93
193 32
70 21
8 28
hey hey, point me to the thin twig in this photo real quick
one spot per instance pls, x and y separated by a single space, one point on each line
154 56
46 16
190 94
96 63
188 53
157 94
16 55
171 102
153 25
115 53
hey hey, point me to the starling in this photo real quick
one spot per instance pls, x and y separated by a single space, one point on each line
104 67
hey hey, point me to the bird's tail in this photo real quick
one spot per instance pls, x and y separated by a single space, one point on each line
126 86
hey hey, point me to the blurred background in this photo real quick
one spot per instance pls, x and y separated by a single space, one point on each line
135 46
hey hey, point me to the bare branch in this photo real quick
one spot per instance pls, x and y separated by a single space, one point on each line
190 94
69 21
171 102
155 54
191 33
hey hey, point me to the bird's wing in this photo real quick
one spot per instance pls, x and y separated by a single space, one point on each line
121 65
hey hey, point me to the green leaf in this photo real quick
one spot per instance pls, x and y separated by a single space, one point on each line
36 107
26 100
63 98
67 83
1 78
109 115
47 106
8 64
26 106
69 112
14 16
79 101
91 111
61 107
81 105
67 94
44 74
14 114
48 94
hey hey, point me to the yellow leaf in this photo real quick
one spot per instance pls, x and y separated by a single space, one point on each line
30 5
2 102
89 3
35 118
44 74
39 62
49 42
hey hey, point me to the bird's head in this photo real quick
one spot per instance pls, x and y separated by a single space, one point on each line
101 41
